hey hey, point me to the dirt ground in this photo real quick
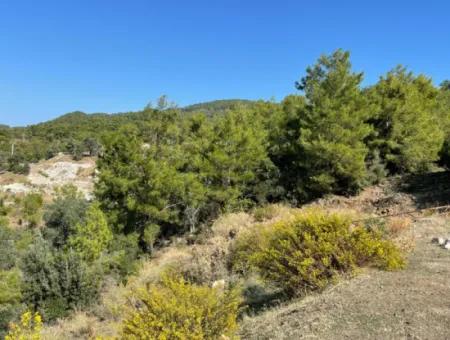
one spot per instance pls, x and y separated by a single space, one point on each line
47 175
410 304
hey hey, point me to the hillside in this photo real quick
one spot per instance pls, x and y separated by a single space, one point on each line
371 305
260 219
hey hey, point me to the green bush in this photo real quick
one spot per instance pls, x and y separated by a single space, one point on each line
32 208
64 214
56 282
92 238
310 250
176 309
10 298
123 253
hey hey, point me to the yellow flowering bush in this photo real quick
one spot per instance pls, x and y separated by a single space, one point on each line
310 250
177 309
29 328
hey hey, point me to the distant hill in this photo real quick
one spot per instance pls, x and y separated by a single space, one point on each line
76 131
218 106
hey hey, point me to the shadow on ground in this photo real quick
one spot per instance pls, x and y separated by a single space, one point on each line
429 190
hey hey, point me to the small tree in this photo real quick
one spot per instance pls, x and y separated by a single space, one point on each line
92 146
54 283
93 236
32 209
64 214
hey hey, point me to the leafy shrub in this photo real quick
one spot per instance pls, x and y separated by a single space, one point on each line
10 298
176 309
310 250
7 249
29 328
62 216
56 282
18 165
265 212
122 255
93 237
32 208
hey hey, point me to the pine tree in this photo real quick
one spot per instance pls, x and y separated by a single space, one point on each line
408 136
332 128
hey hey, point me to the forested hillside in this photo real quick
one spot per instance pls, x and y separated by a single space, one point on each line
167 173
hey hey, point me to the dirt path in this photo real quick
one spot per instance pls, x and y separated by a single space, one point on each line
409 304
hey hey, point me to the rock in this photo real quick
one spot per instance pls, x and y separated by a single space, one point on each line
447 245
441 241
219 284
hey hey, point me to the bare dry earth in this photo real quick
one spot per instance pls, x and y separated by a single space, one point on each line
409 304
47 175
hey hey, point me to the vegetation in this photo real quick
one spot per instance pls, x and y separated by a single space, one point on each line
311 249
176 309
93 237
164 174
29 328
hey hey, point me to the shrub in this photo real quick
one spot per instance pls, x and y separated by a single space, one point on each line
122 255
10 298
310 250
265 212
54 283
93 237
29 328
32 208
8 253
176 309
61 217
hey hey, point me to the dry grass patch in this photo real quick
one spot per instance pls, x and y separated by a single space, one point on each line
79 326
398 225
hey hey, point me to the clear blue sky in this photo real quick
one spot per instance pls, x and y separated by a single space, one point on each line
115 56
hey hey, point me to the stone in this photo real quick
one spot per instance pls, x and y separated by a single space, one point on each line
441 241
219 284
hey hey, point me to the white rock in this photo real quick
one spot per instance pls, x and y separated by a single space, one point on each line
447 246
16 188
441 241
219 284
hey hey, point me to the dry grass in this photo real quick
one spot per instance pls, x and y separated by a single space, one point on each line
10 178
79 326
398 225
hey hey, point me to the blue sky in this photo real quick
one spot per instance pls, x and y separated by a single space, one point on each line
115 56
